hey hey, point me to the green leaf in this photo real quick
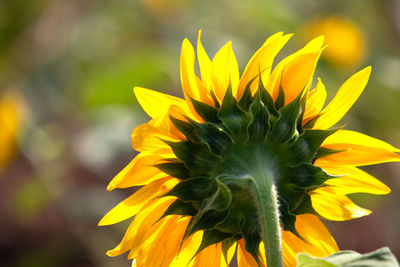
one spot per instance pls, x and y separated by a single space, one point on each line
246 98
382 257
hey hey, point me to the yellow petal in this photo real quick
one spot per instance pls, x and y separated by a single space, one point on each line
297 74
166 245
309 54
156 104
131 205
146 137
244 258
191 84
140 171
357 155
315 101
210 256
141 225
344 99
204 64
189 248
355 138
354 181
261 62
334 206
320 242
224 71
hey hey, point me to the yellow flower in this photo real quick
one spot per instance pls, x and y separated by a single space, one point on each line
346 43
9 120
199 154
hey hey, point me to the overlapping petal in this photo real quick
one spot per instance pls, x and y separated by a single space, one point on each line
334 206
344 99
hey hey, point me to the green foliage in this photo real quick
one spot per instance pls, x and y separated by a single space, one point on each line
382 257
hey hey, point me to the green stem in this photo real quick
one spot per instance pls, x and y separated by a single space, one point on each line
265 197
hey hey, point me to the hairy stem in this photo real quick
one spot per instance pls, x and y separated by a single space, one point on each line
265 197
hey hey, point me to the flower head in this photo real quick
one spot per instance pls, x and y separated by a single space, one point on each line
199 157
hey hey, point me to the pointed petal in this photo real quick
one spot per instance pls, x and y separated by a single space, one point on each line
156 104
148 138
189 248
354 181
210 256
298 73
356 138
165 246
286 72
140 227
244 258
261 61
191 84
315 101
336 207
204 64
224 71
346 96
140 171
320 242
357 155
131 205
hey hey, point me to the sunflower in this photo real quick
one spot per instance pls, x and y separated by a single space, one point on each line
244 164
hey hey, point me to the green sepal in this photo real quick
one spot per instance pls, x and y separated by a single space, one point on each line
233 117
179 207
207 112
175 168
299 126
211 237
213 136
246 99
266 98
204 221
227 244
280 100
284 128
259 128
306 145
193 189
252 236
186 128
306 176
323 152
221 200
197 157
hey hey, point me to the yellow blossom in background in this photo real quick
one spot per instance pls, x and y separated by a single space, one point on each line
346 43
9 124
199 155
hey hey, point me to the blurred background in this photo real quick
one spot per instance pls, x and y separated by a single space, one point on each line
67 68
